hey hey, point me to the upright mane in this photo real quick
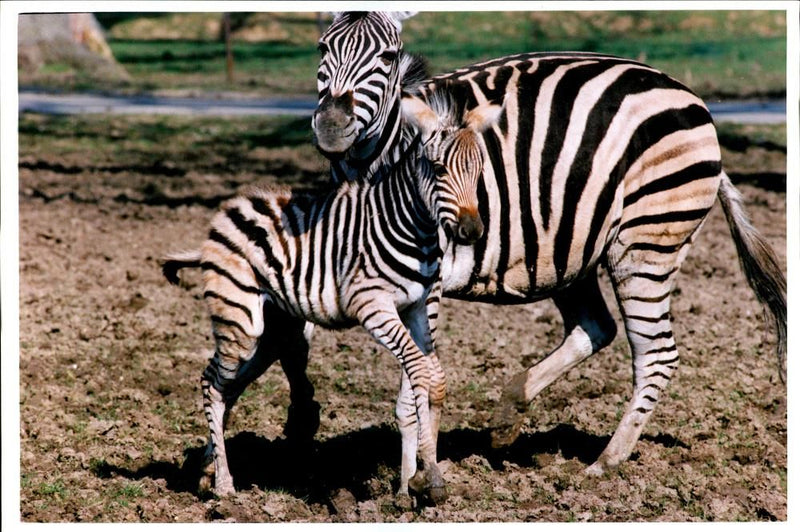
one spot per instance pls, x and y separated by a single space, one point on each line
413 71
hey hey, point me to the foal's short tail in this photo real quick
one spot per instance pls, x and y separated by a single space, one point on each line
174 262
758 262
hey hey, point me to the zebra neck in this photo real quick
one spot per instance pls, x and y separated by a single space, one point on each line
404 180
371 152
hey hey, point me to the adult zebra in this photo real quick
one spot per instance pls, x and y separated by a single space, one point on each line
595 160
363 253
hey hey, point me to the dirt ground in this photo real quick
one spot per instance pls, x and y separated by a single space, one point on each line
111 355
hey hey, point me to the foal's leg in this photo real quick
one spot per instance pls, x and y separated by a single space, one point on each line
588 328
420 327
237 323
384 324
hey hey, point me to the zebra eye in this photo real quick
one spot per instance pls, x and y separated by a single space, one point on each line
323 49
388 57
439 170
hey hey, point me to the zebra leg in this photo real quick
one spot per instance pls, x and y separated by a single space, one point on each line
302 421
385 325
588 328
421 327
438 389
406 417
642 276
237 361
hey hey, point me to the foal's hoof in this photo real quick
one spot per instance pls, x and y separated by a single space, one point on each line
204 487
224 490
595 470
302 422
403 502
438 494
429 485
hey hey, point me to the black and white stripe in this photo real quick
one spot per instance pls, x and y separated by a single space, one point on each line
366 253
595 160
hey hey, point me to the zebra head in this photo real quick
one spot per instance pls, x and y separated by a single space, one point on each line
358 79
452 159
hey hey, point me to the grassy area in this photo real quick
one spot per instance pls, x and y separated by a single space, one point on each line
717 53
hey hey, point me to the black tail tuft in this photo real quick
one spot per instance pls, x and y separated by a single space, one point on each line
171 264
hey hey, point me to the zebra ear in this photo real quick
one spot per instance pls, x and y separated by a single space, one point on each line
419 115
483 117
399 16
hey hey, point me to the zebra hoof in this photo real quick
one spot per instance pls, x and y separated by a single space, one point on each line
429 484
506 426
204 486
224 490
595 470
302 422
403 502
438 494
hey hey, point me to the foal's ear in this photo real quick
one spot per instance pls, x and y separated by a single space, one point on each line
419 114
483 117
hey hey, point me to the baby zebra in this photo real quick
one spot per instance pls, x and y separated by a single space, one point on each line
365 253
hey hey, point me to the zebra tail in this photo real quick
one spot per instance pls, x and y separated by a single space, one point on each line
171 264
759 263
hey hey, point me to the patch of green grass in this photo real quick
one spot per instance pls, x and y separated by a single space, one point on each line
125 494
52 489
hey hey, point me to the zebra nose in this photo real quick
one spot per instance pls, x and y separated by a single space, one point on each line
337 103
470 228
333 123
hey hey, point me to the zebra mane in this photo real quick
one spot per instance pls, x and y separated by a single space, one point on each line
265 191
413 71
449 104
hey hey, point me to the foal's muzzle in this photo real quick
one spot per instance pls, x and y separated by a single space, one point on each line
469 229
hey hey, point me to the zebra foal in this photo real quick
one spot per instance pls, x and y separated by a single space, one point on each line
364 253
595 161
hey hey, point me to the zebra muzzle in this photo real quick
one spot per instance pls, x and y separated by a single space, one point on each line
333 123
469 229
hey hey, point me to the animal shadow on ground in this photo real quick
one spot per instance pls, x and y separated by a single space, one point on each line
316 470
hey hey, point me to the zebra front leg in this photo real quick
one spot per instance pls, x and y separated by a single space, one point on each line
588 328
422 327
438 389
407 424
385 325
406 417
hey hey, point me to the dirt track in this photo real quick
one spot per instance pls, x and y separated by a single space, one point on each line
111 357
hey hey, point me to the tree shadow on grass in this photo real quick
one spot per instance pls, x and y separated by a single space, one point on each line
316 471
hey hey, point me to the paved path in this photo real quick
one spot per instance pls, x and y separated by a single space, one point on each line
93 103
771 112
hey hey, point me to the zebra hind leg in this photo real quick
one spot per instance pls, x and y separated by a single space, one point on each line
642 276
588 328
291 339
223 381
237 324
